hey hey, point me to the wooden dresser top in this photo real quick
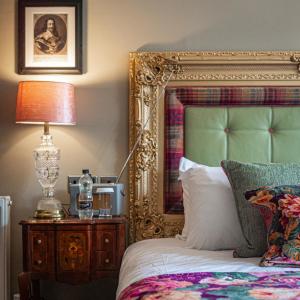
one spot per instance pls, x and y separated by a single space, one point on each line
75 221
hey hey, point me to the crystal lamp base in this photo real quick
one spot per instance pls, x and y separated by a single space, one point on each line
46 158
49 208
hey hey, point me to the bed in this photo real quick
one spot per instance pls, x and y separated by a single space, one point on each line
168 257
209 107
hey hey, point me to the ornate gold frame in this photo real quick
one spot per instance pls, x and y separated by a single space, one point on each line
149 73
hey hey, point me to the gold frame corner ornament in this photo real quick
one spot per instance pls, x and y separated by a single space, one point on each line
149 74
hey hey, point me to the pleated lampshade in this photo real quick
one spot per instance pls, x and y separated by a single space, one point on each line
45 102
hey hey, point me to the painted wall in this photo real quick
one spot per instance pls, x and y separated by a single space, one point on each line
99 141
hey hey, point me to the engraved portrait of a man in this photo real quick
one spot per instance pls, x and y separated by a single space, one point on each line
50 35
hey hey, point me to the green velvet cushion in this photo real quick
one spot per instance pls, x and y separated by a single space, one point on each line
249 176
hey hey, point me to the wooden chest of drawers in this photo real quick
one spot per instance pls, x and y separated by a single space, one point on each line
73 251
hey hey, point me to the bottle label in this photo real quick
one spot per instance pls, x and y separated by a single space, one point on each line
85 204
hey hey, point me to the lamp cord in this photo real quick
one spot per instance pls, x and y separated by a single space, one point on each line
143 129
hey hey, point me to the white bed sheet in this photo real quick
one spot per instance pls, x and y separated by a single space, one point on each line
169 256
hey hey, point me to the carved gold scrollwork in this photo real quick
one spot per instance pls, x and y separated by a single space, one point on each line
145 153
296 58
148 94
154 68
236 77
149 226
172 228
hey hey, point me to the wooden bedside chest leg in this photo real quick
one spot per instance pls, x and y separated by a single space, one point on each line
28 287
35 286
24 286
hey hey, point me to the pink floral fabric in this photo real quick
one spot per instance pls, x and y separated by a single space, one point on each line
217 285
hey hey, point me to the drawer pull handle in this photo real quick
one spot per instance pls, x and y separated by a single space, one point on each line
107 261
106 241
39 262
39 241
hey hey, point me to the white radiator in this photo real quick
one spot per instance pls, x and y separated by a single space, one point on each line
5 204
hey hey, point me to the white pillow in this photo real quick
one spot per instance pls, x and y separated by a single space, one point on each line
211 220
184 165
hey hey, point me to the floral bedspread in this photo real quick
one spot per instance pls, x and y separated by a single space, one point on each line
216 285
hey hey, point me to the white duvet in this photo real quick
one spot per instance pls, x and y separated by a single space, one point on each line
169 255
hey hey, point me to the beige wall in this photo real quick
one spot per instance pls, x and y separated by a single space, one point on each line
112 29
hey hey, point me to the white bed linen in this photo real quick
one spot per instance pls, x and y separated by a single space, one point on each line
169 256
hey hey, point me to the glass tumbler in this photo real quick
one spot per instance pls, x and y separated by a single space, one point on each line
105 205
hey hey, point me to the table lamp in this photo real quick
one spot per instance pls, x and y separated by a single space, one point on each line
45 102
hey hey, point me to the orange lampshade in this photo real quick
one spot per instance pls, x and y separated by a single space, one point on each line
45 101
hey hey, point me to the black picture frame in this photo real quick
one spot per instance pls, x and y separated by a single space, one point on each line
44 58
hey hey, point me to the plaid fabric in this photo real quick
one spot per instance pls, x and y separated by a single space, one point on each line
176 99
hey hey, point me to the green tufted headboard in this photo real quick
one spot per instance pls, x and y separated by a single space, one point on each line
209 124
250 134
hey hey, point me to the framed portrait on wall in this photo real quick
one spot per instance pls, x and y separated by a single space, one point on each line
50 37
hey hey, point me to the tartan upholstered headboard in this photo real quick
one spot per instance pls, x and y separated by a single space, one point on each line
209 124
187 100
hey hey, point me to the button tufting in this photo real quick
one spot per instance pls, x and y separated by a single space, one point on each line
271 130
226 130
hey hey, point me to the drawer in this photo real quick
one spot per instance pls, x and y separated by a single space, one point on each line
41 251
106 240
73 251
105 260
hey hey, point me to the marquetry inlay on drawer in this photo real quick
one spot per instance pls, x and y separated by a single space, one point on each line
73 250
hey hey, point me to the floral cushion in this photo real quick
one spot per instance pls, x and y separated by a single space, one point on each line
282 221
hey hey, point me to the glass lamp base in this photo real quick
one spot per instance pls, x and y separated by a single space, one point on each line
46 157
49 208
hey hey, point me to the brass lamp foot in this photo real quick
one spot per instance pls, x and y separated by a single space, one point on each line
46 214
